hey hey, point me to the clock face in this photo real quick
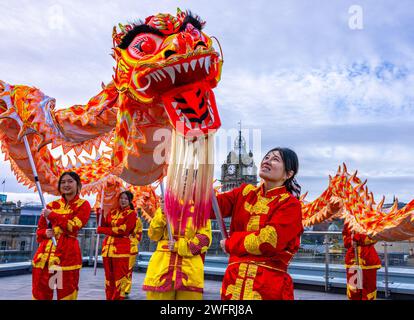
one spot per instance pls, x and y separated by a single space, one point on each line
231 169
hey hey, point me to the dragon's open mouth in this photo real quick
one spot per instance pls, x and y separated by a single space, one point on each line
184 86
178 73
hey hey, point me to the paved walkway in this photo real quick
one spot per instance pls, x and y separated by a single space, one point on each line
92 288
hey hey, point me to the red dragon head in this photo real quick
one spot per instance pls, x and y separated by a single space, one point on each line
170 60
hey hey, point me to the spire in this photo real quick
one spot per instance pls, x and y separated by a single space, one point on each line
240 157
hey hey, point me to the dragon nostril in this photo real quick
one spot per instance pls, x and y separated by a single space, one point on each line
169 53
180 100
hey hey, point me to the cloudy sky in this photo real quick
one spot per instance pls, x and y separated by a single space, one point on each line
331 80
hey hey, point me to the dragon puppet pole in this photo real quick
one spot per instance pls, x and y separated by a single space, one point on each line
219 217
170 235
36 178
95 262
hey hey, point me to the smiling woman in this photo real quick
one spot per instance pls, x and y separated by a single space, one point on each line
58 266
265 231
279 167
69 185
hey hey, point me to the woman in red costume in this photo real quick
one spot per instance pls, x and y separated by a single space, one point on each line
361 260
118 225
58 266
265 231
362 263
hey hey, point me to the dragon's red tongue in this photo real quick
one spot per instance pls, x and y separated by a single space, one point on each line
192 110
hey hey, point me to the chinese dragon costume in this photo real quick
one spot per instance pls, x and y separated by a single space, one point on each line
156 117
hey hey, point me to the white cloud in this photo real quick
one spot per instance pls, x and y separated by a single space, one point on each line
380 160
320 96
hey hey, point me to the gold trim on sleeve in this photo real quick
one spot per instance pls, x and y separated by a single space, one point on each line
252 242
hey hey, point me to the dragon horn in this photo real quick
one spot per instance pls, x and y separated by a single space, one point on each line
121 27
394 206
381 203
366 192
303 196
359 186
370 203
345 168
339 170
353 176
372 197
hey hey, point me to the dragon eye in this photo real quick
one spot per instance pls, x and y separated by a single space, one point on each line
143 45
194 32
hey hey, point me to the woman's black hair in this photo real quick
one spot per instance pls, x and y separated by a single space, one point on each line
130 197
74 176
291 162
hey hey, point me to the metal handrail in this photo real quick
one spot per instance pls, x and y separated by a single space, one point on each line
146 229
17 225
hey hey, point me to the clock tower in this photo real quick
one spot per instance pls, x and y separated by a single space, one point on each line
239 166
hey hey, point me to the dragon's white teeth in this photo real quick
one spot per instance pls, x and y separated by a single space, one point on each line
156 76
178 68
207 64
174 104
203 125
161 73
182 118
196 126
185 65
178 111
187 122
210 123
193 64
211 113
171 73
210 110
201 61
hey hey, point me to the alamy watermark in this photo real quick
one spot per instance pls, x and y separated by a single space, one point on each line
225 140
355 277
56 19
356 18
56 280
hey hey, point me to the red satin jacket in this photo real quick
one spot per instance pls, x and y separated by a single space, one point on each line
265 227
118 226
67 218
